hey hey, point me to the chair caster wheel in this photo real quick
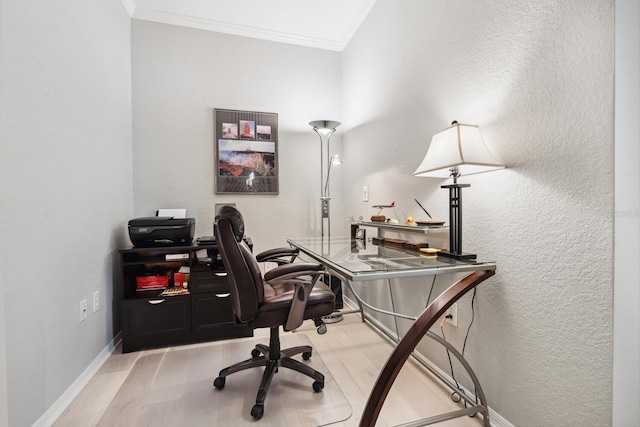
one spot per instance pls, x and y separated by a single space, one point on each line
219 383
255 353
306 355
257 411
321 327
318 386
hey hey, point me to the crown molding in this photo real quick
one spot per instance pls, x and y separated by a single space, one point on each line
130 6
248 31
233 29
357 20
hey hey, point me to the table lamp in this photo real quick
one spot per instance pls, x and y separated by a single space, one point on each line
456 151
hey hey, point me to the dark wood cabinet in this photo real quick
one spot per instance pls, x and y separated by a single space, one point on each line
151 320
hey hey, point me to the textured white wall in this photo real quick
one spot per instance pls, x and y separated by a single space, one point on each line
181 75
66 189
538 79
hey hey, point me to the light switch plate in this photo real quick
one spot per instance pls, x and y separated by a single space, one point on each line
96 301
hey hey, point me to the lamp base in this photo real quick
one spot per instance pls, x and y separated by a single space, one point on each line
462 255
334 317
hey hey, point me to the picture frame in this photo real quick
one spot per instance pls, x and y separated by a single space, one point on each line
263 132
230 130
247 129
246 152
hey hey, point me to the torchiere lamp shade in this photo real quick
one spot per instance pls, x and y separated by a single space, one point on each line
324 126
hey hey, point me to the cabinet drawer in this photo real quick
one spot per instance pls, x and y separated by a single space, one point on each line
208 281
155 322
212 317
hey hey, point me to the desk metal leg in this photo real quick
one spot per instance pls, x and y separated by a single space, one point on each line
361 302
407 345
358 299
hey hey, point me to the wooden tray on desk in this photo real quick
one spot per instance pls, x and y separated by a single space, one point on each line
430 223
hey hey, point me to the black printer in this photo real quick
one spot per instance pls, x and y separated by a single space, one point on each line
161 231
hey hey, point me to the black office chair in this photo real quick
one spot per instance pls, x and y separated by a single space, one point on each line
285 296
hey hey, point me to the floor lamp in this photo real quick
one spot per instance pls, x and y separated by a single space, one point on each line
456 151
324 129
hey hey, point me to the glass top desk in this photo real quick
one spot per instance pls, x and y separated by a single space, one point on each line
358 261
361 261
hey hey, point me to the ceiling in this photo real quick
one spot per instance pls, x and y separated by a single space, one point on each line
324 24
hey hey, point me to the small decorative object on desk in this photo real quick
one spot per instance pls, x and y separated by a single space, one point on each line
395 243
382 218
430 221
415 246
429 252
380 207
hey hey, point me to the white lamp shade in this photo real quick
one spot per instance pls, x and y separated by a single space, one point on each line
459 145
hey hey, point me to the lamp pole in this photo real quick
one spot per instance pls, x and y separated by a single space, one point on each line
325 196
325 128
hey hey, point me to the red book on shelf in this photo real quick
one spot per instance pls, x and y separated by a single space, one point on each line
152 282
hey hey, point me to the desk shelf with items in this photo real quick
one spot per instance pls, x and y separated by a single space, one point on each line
173 295
409 237
424 229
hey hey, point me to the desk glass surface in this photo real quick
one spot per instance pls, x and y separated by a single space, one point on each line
359 260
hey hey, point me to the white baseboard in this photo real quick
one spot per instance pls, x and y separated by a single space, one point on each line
495 418
63 402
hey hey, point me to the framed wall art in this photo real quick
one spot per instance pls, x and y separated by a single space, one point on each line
246 152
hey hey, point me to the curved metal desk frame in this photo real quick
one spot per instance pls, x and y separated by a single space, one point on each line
420 328
409 342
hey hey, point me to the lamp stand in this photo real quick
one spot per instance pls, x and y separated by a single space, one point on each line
455 223
325 215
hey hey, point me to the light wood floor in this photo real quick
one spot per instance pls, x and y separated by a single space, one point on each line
352 352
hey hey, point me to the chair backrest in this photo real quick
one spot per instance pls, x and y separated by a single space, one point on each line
246 284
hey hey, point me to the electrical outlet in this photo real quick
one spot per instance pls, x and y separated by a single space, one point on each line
453 312
96 301
83 310
365 194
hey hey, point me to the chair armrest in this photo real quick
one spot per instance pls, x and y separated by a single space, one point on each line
303 277
285 272
278 255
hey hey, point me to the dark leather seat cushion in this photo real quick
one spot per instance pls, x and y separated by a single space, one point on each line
277 302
